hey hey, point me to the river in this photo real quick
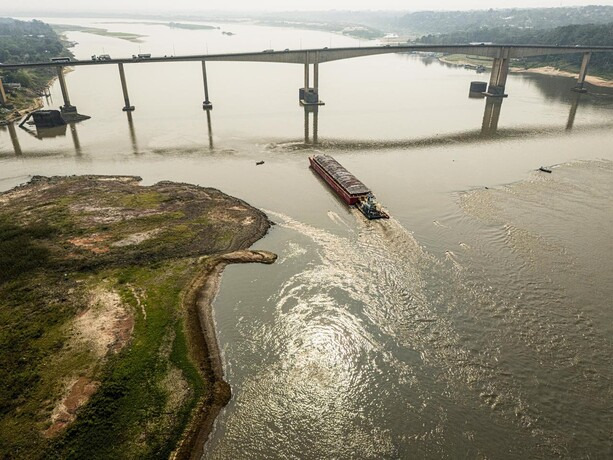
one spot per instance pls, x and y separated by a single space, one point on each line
476 323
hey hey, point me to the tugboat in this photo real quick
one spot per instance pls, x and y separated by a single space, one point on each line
371 208
347 186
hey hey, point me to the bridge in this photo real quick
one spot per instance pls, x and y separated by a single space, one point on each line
309 95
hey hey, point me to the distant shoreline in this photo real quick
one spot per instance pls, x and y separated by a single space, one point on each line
548 70
545 70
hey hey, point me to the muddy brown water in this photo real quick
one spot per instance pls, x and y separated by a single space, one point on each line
476 323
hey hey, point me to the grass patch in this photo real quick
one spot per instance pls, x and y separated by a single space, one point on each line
145 200
131 401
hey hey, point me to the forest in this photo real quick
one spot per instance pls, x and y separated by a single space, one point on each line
444 22
29 41
571 35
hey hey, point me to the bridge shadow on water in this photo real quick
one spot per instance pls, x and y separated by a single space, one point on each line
488 132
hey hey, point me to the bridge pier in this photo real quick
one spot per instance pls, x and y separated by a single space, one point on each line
491 116
124 87
14 139
311 109
67 107
68 111
209 129
310 95
579 87
500 72
3 100
206 104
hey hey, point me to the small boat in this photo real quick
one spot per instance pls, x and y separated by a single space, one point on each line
544 169
258 163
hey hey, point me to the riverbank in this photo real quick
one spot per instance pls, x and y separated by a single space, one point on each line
197 305
30 103
462 60
547 70
123 360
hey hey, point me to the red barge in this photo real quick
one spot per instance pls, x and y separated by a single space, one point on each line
347 186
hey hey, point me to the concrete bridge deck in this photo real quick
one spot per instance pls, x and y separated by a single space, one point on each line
309 95
321 55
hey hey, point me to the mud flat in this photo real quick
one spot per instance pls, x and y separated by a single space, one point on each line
108 344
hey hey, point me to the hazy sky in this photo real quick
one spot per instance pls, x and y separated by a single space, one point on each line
286 5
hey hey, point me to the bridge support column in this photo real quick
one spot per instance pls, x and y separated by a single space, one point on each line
124 87
67 107
315 126
310 95
580 88
491 116
498 77
206 105
306 70
2 94
316 79
14 139
209 129
68 111
308 110
306 125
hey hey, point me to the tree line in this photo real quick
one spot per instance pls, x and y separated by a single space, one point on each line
28 41
444 22
570 35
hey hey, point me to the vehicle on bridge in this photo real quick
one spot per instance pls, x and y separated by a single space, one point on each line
142 56
104 57
60 59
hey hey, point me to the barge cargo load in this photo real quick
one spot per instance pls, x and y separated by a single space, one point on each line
347 186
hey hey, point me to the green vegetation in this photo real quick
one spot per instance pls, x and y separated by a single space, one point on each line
61 28
132 414
28 41
443 22
92 276
587 35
